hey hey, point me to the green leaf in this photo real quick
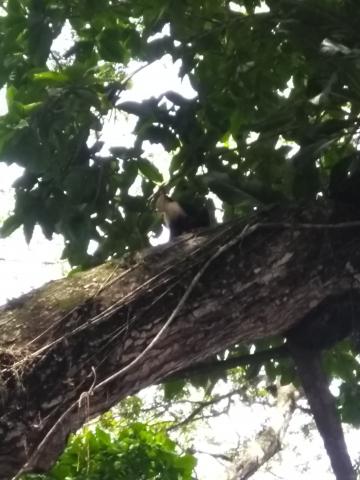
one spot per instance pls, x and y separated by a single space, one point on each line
11 93
30 107
90 182
111 47
349 400
156 134
174 389
149 170
128 176
9 226
227 192
29 225
176 163
49 77
132 203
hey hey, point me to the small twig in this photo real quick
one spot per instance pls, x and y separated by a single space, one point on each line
217 456
135 72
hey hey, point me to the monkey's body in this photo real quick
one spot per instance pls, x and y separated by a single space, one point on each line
181 217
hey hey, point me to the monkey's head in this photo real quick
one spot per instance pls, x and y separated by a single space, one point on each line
160 199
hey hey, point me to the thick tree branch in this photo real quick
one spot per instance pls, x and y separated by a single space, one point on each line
59 343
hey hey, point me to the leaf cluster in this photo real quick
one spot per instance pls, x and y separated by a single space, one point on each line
135 451
271 79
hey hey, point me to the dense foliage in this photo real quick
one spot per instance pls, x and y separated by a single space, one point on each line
114 450
269 77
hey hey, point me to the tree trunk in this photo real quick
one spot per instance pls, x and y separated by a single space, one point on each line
75 347
323 407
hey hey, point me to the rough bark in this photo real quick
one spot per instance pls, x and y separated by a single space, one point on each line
268 442
60 343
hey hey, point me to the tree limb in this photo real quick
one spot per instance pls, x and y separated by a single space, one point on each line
58 343
268 441
217 366
316 387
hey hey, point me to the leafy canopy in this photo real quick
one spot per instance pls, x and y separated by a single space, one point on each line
269 77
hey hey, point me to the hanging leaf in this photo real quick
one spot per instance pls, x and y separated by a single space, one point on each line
111 47
149 170
9 226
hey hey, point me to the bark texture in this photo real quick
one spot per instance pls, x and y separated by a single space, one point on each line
60 343
267 442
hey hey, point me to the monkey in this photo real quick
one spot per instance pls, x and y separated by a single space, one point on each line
180 216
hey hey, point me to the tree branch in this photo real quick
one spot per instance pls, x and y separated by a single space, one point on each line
316 387
217 366
60 342
268 441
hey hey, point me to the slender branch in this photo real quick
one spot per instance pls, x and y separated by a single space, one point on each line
217 456
205 404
